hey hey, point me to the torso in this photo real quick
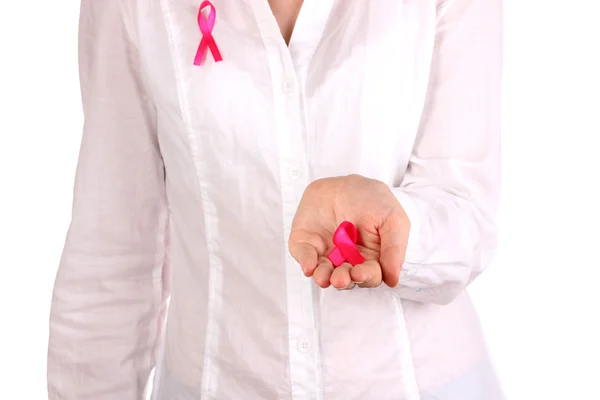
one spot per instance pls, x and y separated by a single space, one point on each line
241 139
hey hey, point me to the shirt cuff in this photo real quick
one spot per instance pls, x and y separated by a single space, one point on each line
413 249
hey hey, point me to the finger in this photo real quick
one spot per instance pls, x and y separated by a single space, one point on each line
305 247
394 239
367 274
306 256
322 274
340 278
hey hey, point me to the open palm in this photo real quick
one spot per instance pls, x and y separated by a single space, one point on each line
381 222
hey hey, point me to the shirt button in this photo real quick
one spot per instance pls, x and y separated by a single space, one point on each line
304 346
294 173
288 86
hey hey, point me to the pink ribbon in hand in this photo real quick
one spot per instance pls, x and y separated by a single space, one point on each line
345 238
206 26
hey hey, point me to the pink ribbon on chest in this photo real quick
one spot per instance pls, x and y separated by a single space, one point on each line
344 239
206 26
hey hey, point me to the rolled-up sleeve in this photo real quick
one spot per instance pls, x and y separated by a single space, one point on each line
451 188
110 291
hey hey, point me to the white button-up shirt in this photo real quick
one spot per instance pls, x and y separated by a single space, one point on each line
189 176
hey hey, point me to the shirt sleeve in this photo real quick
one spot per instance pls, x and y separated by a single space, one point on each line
450 190
110 292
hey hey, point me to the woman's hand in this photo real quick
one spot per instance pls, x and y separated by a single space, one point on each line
382 224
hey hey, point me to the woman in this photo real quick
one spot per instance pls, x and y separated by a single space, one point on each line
209 151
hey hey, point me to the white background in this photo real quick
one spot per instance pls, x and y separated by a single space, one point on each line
539 302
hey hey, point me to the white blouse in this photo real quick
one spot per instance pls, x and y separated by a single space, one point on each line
189 176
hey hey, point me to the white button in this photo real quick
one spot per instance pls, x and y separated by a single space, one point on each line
294 173
304 346
288 86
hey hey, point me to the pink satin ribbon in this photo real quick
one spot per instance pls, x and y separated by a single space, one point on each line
345 238
206 26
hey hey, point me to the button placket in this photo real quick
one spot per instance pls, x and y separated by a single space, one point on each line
305 346
288 86
301 319
294 173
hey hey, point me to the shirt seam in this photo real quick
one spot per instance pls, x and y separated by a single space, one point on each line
211 333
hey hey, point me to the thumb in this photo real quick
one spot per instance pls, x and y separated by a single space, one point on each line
394 239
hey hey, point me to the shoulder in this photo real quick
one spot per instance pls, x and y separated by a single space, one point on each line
110 17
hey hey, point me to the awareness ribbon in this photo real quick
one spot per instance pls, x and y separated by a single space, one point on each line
345 238
206 26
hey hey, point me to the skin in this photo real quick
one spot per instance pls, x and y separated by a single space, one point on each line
383 229
286 13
